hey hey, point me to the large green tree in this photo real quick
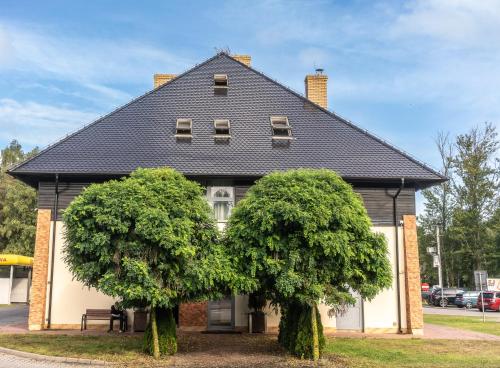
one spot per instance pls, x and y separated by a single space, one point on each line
17 205
150 240
466 208
476 193
304 236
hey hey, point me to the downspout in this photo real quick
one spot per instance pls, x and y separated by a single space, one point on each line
396 229
52 258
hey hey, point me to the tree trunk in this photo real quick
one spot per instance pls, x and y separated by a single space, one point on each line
154 331
314 326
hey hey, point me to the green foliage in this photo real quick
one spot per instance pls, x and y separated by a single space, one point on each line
17 206
148 239
304 235
166 333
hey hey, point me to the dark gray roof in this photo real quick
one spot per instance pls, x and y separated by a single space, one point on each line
141 134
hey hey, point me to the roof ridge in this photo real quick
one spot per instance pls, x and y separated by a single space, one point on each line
344 120
95 122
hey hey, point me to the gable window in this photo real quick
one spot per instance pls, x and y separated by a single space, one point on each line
221 129
222 201
220 81
184 128
281 128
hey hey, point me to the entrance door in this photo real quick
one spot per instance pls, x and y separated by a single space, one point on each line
352 319
221 314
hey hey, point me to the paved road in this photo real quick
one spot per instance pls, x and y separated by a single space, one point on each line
11 361
15 314
454 311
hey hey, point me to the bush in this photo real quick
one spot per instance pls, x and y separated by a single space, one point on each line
295 330
167 337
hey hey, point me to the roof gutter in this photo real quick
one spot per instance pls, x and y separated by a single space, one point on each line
396 229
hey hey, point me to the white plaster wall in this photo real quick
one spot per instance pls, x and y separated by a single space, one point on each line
19 292
4 291
71 298
381 312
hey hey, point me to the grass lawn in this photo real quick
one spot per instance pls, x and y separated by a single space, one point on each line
491 326
415 353
254 351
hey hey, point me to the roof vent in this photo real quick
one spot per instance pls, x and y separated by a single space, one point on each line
184 128
221 127
220 81
281 128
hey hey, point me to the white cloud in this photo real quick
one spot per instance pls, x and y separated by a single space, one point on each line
460 23
95 64
37 124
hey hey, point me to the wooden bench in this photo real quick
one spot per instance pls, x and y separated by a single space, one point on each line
94 314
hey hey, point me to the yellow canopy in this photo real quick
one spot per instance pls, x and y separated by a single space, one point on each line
15 260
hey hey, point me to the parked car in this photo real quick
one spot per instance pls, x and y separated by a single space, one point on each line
467 299
491 300
449 295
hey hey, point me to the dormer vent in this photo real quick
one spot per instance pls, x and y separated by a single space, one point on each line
222 127
281 128
220 81
184 128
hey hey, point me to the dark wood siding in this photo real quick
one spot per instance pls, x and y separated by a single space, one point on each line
378 201
67 192
239 192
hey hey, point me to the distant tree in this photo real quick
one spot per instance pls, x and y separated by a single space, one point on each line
150 240
476 193
17 205
439 204
304 236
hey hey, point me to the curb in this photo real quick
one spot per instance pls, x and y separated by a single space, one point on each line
47 358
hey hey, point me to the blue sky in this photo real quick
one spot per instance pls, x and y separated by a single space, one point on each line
402 70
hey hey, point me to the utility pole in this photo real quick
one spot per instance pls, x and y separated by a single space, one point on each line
440 267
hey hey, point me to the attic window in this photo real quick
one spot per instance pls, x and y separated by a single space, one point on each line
184 128
281 128
220 81
221 127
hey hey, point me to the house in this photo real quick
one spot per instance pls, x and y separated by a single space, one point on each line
224 124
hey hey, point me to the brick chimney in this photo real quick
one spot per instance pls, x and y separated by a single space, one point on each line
245 59
160 79
316 88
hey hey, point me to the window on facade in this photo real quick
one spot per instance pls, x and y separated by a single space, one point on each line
281 128
220 81
222 201
221 128
184 128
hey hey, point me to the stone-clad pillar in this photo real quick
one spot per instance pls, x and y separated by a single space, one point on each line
40 271
414 313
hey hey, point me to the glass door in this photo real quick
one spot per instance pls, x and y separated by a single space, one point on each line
221 314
